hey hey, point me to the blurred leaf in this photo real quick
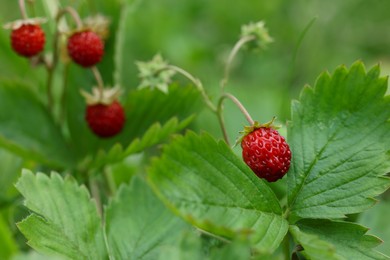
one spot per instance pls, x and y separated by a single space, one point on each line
10 170
27 128
325 239
138 225
377 218
8 246
154 135
64 221
209 186
340 136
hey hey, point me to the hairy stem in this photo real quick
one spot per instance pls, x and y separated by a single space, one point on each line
231 57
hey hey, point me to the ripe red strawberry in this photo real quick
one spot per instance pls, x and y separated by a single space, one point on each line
266 152
28 40
105 120
85 48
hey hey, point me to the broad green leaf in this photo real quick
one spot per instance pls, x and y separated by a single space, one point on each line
325 239
139 226
27 127
154 135
209 186
64 221
8 245
377 218
340 138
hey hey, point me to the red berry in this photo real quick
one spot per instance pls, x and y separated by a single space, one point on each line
105 120
28 40
266 152
85 48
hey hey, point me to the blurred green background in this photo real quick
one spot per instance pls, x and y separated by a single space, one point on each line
197 35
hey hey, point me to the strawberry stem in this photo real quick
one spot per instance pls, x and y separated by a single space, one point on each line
99 80
73 13
238 104
197 83
220 117
231 57
22 7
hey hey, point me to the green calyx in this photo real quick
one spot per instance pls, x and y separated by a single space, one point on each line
256 125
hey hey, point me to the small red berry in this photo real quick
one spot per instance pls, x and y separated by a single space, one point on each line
28 40
105 120
85 48
266 152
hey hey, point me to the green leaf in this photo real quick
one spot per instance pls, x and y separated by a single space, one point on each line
139 226
209 186
154 135
27 127
325 239
64 221
340 138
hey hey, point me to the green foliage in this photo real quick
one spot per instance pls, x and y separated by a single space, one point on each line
139 226
27 134
64 221
340 136
199 200
205 182
325 239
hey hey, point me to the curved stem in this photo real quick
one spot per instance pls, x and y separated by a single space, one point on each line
238 104
22 7
73 13
196 82
231 57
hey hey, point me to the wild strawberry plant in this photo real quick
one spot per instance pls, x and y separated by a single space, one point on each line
182 194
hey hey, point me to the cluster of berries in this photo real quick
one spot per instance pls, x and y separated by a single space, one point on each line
85 48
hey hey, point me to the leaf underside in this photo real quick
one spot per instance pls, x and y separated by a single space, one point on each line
208 185
340 139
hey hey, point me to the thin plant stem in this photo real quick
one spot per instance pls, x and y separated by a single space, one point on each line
99 80
238 104
51 68
63 97
231 57
73 13
22 7
220 116
94 187
197 83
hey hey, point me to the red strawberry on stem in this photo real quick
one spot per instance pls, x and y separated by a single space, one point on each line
27 37
85 48
265 151
104 114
